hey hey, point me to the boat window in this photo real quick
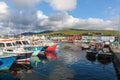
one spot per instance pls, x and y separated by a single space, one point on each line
18 43
8 44
13 44
2 45
25 42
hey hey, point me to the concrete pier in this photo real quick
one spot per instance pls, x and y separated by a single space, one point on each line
116 59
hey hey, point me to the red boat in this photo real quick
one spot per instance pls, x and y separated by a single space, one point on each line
51 48
50 54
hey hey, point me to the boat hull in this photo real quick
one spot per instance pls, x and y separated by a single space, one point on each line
104 56
24 57
35 50
6 62
51 48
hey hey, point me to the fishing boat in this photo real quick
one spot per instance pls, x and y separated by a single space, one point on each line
6 60
51 48
47 45
35 46
104 54
9 47
92 50
85 45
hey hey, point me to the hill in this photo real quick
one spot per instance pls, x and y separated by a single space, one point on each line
83 32
75 32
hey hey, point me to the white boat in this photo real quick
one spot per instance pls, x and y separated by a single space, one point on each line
9 47
35 47
85 46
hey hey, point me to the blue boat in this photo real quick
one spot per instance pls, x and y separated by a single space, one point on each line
35 49
6 60
8 47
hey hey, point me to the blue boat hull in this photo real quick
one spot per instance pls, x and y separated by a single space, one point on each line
35 50
6 62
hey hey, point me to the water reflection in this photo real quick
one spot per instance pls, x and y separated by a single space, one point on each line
21 68
91 57
96 58
105 62
61 72
6 75
42 57
50 54
65 64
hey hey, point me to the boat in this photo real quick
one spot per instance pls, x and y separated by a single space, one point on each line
23 55
85 46
92 50
104 55
9 47
30 47
51 48
6 60
47 45
37 47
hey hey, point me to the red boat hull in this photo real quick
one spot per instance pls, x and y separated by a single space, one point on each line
51 48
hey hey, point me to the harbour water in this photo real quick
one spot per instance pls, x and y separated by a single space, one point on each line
67 63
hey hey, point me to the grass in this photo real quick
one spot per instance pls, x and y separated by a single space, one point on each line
82 32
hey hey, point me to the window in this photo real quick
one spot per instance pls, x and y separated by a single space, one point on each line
25 42
13 44
18 43
8 44
2 45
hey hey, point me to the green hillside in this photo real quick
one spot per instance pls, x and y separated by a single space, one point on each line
83 32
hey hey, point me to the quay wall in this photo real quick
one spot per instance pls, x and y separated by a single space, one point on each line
116 58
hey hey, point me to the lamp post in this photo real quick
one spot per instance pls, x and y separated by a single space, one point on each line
119 29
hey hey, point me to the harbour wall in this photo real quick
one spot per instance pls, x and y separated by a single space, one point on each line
116 59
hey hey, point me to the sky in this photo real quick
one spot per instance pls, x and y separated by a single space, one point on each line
18 16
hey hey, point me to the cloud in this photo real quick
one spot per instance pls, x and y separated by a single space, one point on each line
29 20
24 3
4 12
40 15
3 8
62 5
64 20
